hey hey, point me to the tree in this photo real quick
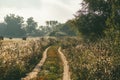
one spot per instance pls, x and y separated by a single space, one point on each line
14 25
91 26
51 23
68 28
91 19
2 29
113 21
64 29
113 35
50 26
31 26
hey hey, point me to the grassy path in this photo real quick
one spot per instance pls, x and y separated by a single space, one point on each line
53 67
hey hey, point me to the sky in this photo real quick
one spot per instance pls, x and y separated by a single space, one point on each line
40 10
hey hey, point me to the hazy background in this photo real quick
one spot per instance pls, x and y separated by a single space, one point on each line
40 10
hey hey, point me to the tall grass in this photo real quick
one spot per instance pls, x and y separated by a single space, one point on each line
92 61
18 57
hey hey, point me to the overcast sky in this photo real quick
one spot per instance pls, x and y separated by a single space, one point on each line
41 10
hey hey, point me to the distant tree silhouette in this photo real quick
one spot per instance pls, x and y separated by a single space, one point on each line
14 25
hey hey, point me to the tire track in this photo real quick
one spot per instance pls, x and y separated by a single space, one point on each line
37 69
66 73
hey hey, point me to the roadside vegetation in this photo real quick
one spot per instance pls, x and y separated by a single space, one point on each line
90 42
92 61
18 57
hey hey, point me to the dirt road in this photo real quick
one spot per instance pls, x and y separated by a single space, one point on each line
36 70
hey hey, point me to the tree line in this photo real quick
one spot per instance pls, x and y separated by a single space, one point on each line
95 20
15 26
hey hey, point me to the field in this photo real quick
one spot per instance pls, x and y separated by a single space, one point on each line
86 60
18 57
92 60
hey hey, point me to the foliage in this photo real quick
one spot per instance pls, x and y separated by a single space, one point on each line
64 29
14 25
2 28
91 18
31 26
91 26
69 29
113 30
19 57
92 61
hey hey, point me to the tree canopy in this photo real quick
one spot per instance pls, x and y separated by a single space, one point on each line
14 25
31 26
91 19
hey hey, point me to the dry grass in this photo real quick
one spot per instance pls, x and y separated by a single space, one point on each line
18 57
92 61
